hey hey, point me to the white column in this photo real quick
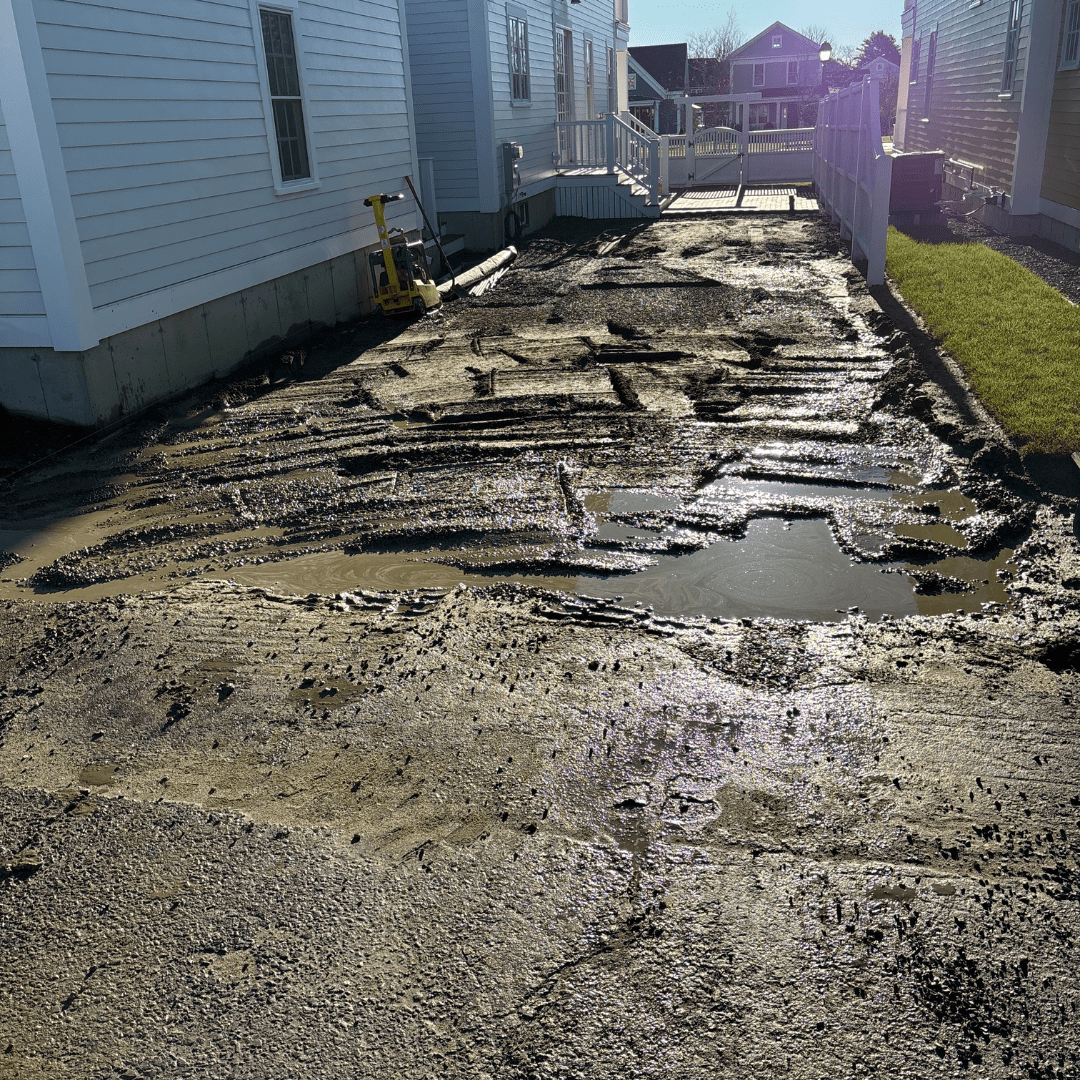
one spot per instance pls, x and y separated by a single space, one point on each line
43 182
1035 100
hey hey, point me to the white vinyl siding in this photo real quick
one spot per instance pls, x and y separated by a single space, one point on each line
442 86
166 141
20 293
534 128
442 79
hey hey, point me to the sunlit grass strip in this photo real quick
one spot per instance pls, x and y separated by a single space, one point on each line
1016 339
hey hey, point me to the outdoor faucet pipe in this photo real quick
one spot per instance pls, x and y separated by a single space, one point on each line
434 233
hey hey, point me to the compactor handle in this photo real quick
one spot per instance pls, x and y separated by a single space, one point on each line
384 199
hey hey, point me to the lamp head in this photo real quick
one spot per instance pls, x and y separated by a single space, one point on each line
825 52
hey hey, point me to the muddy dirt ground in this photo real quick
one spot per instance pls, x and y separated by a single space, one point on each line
471 700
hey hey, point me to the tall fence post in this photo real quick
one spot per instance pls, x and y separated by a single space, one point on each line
654 172
665 152
611 158
853 174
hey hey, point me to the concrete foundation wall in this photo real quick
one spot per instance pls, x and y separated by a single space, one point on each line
1000 220
487 232
128 371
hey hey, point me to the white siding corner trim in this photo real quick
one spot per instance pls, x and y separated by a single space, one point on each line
43 182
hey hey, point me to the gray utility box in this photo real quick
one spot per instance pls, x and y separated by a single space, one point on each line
916 183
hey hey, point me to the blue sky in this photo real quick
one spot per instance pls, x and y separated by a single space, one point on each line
657 22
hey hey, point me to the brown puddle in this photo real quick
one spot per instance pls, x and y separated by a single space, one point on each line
98 775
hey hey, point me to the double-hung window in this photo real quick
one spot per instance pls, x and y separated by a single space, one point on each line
612 90
519 59
759 74
283 76
1070 41
931 62
916 50
793 73
1012 47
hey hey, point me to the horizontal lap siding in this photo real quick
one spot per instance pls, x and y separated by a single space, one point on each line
1061 173
442 86
533 126
166 142
20 293
967 119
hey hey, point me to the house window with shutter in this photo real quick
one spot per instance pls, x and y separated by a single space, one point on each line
759 74
283 75
793 73
916 49
612 101
1012 47
519 59
1070 42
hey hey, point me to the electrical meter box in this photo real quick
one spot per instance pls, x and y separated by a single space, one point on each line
512 153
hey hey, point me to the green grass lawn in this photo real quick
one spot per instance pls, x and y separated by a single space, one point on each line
1016 338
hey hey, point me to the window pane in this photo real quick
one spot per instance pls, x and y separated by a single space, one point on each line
280 54
291 140
1072 34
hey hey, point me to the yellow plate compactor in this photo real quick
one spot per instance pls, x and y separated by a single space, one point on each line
399 271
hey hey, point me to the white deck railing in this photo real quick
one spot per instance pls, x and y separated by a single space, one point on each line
853 174
637 125
583 144
781 141
613 145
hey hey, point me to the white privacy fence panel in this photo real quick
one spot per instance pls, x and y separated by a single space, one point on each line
853 174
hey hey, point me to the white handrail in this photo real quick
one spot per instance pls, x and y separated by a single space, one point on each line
637 125
609 144
853 174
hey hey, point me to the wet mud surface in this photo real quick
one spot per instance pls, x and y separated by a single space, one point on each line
642 669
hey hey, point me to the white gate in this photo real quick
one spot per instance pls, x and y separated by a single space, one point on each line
719 156
853 174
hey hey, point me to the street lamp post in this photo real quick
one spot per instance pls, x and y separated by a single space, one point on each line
824 55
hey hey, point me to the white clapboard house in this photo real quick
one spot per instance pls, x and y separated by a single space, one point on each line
182 186
543 75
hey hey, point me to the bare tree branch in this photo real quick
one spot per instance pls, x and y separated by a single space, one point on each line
717 42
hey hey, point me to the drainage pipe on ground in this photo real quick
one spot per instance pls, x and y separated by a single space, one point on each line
478 273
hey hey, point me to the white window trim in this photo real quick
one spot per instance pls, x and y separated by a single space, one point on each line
515 11
1074 63
312 182
1012 36
790 80
777 41
753 74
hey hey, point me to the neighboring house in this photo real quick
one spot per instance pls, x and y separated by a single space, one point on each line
488 75
182 186
879 68
997 87
783 66
657 73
